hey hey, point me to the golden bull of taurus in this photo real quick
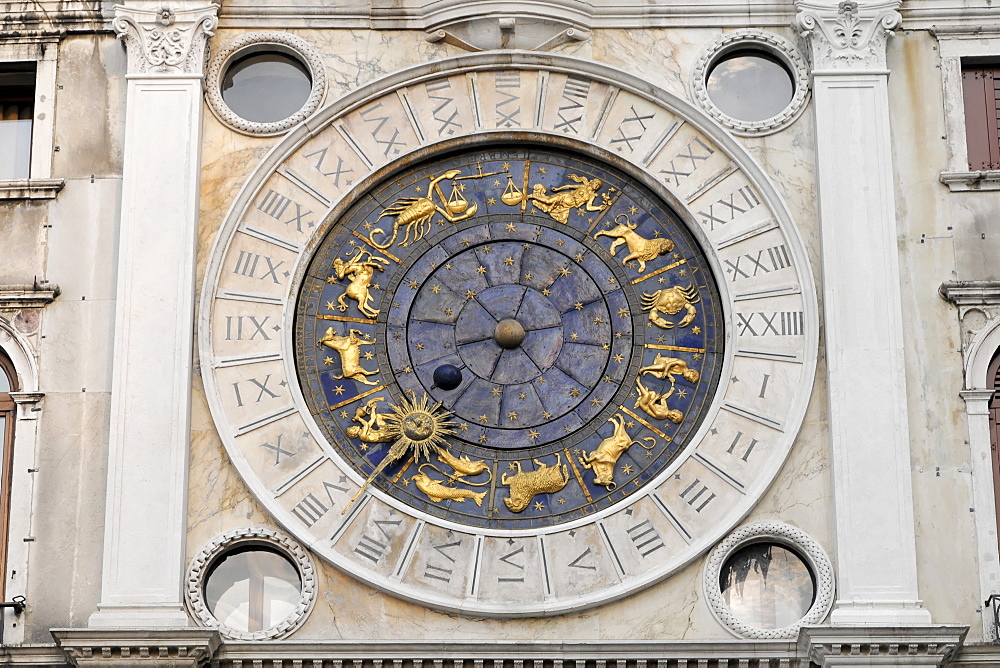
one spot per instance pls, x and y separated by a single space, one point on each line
525 485
639 248
349 348
602 461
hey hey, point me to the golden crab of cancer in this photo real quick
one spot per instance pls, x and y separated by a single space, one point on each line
414 426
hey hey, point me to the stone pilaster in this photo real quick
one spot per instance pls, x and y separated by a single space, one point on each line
869 431
150 413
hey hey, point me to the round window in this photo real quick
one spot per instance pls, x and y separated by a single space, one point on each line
266 87
265 83
750 85
252 589
767 586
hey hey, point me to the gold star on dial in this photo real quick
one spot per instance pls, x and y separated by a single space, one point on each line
496 391
506 166
522 395
618 358
331 279
511 467
539 505
559 242
496 183
574 336
564 272
367 226
598 320
420 346
328 361
546 292
491 201
343 414
578 306
511 227
466 242
512 416
527 277
481 269
483 418
595 401
448 311
509 261
622 313
543 170
412 284
487 250
483 439
574 393
369 355
682 393
683 272
470 294
633 210
330 306
338 389
627 469
579 257
697 356
546 415
533 434
696 330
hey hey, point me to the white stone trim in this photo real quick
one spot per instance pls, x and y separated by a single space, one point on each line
263 41
804 545
202 565
758 40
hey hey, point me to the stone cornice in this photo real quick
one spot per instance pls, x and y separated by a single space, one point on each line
848 38
174 647
882 646
27 296
162 40
971 293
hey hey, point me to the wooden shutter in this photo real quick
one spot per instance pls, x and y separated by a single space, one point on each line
981 88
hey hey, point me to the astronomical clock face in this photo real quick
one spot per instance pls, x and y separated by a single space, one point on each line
515 374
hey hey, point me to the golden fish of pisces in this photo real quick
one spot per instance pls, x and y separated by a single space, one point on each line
438 492
462 465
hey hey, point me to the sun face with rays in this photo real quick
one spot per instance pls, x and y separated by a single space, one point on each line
417 427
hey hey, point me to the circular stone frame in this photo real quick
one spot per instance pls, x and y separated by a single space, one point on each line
245 537
804 545
258 42
752 40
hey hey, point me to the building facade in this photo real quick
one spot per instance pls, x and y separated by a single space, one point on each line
470 332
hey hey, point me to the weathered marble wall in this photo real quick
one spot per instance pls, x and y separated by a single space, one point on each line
347 609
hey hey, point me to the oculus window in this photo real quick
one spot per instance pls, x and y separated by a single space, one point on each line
252 589
17 104
266 87
750 85
767 586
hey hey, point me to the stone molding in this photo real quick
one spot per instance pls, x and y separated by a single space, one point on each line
775 46
978 304
177 648
166 40
31 188
804 545
849 38
247 537
27 296
278 41
881 646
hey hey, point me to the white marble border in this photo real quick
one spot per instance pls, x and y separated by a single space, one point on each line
752 39
203 562
260 42
804 545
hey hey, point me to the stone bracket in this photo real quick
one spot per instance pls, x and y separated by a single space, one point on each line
177 648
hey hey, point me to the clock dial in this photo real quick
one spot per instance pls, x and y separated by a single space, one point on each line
579 313
508 340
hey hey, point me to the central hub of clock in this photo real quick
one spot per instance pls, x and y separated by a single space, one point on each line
509 333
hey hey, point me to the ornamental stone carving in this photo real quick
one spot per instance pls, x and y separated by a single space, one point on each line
166 40
851 37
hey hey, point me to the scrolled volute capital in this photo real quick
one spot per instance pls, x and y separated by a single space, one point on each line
850 36
162 38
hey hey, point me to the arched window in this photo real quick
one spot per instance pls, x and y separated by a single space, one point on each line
8 384
993 383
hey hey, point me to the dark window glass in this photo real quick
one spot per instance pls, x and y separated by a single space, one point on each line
17 106
266 87
252 589
767 586
750 85
981 90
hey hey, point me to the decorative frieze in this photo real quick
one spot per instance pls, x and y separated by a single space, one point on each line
166 40
178 648
849 37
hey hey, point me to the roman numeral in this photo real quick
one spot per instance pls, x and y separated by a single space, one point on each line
776 323
697 151
736 441
336 172
644 538
248 264
373 548
442 113
261 386
507 559
275 205
310 510
505 81
696 495
440 572
278 450
578 562
724 210
765 261
234 327
630 122
574 94
390 144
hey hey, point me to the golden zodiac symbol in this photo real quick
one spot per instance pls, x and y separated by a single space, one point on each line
361 274
561 201
525 485
414 426
373 428
655 404
462 466
437 492
416 214
349 348
671 301
603 460
643 250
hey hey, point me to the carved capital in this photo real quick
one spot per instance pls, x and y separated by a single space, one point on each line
164 39
849 37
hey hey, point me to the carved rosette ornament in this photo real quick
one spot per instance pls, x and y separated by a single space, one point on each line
850 37
166 40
